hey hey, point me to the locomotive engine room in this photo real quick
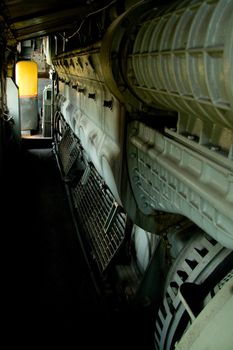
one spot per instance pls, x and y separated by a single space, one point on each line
116 172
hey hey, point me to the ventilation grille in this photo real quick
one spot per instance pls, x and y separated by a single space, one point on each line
195 265
68 150
101 218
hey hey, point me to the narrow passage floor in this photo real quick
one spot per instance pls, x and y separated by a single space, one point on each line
49 289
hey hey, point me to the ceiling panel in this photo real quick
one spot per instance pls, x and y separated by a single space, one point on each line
27 19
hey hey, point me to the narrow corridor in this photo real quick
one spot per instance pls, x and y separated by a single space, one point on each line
49 288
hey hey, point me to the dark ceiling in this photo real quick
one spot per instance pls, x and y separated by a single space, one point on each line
26 19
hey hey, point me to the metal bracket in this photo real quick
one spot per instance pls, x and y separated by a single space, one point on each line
190 295
86 175
111 216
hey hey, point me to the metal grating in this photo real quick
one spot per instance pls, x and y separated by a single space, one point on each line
68 150
100 216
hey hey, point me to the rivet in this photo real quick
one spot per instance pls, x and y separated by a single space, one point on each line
144 204
133 155
215 148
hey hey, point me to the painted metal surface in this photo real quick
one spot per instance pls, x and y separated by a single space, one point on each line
115 94
12 93
217 332
26 73
27 80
